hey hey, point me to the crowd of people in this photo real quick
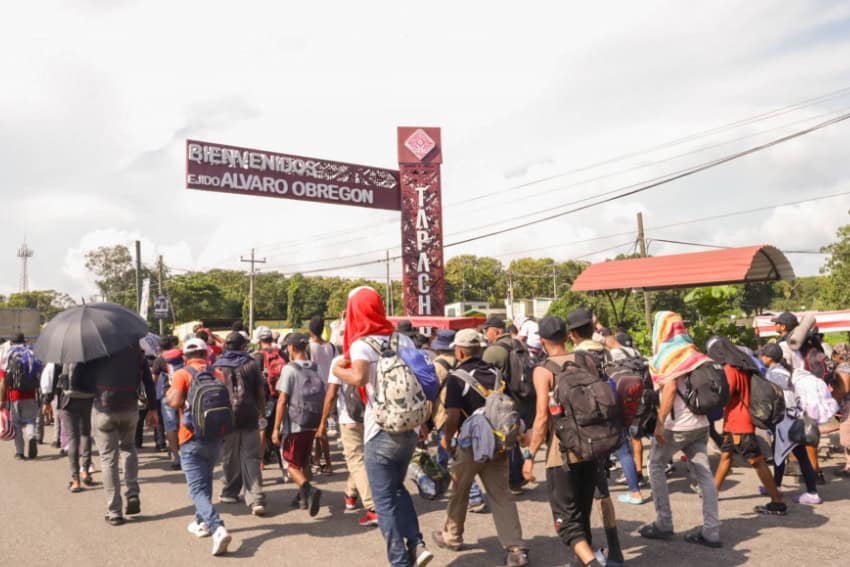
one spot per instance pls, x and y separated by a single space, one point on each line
474 406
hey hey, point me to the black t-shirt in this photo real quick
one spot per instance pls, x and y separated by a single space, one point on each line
470 401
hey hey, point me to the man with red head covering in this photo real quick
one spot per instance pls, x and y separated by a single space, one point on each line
386 454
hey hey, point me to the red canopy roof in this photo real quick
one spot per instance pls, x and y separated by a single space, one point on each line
456 323
726 266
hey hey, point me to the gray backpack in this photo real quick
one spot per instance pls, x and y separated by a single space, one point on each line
308 397
499 409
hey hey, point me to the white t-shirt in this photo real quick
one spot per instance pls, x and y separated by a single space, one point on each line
360 350
322 354
685 420
341 410
530 331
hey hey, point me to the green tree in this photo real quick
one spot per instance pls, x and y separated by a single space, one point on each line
116 274
756 297
836 292
717 309
48 302
197 295
470 278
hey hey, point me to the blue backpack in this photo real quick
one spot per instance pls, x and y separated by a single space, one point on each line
424 371
208 414
23 370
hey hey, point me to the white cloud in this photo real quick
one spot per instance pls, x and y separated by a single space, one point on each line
101 100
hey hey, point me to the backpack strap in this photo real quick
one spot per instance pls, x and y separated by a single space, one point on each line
375 344
444 363
469 379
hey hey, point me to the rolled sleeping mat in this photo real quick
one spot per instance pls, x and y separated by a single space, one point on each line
801 331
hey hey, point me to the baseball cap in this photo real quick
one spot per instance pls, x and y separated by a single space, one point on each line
235 339
552 328
579 318
298 340
494 321
264 333
771 350
786 318
194 345
443 340
468 338
405 327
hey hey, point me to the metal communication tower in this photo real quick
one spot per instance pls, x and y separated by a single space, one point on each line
25 253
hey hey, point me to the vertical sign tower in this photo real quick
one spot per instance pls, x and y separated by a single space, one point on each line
419 156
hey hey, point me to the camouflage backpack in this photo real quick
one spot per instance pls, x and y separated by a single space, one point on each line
400 403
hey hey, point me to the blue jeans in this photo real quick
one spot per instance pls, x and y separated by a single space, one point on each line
627 461
198 459
443 459
387 456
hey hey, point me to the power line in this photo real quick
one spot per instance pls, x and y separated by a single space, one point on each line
703 245
664 181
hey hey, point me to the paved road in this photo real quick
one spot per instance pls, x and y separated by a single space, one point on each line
43 524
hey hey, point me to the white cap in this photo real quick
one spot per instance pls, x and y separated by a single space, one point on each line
194 345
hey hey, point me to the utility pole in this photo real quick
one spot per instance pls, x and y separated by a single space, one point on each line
647 304
389 304
554 283
159 292
251 261
138 275
511 294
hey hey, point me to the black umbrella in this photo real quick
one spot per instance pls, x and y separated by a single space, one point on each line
87 332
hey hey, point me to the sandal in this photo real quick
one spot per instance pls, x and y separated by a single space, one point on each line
87 479
652 531
696 537
74 486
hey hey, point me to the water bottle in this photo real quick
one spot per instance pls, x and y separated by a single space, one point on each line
555 409
427 486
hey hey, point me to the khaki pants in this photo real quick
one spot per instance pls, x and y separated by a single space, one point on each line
352 450
494 476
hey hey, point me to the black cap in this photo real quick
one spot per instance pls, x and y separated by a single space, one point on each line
298 340
786 318
624 339
771 350
579 318
235 340
552 328
405 327
494 321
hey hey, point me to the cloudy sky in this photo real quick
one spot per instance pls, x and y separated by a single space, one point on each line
535 101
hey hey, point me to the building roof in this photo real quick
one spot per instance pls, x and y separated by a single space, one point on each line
716 267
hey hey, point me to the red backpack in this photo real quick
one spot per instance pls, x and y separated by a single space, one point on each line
273 364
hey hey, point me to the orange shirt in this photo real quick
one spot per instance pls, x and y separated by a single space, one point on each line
181 381
737 419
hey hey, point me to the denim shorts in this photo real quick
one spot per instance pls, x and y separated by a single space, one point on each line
170 418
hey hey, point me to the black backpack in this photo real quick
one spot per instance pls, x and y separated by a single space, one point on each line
353 402
591 424
243 398
706 389
767 402
520 370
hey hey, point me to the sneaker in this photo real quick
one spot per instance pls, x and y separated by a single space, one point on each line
369 519
314 500
19 456
221 539
228 499
198 529
652 531
772 509
134 505
621 480
175 465
115 520
820 478
478 506
669 469
643 482
599 555
516 557
91 469
423 556
33 449
809 498
258 510
350 503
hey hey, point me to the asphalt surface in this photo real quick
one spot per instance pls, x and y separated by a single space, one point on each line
44 524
